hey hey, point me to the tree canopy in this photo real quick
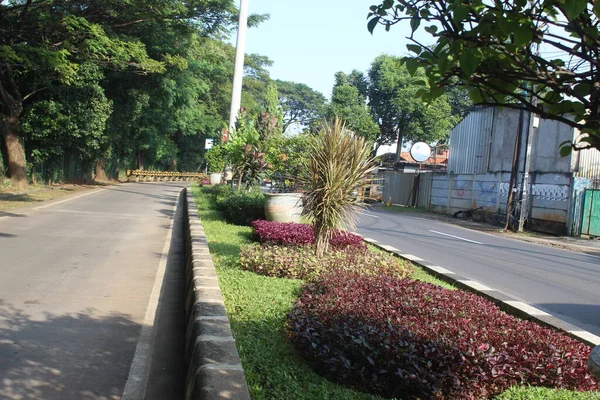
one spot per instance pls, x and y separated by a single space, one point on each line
301 104
116 85
539 55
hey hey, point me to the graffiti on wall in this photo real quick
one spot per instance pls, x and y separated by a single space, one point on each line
542 191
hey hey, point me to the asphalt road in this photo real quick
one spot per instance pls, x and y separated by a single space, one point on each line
565 284
76 278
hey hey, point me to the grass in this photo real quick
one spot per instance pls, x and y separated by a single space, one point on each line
257 307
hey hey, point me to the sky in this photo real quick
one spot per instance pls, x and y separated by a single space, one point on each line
310 40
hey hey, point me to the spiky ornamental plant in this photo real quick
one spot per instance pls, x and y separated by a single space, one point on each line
340 163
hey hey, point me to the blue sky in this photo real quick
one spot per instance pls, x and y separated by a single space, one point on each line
310 40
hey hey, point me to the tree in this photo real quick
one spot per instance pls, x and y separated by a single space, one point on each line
538 55
340 163
400 114
348 103
300 103
44 44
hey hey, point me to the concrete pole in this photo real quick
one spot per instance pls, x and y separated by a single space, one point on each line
238 74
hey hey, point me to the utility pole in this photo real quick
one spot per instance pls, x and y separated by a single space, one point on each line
238 74
523 212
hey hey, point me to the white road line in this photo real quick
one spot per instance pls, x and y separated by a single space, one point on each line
477 286
69 199
368 215
456 237
526 307
139 372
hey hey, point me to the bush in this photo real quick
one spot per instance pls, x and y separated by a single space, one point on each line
241 207
300 262
412 340
291 233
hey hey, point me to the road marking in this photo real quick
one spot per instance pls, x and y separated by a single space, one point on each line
526 307
69 199
410 257
389 248
478 286
139 372
370 240
368 215
587 336
440 270
456 237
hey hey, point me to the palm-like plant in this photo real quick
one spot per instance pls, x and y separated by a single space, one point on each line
340 163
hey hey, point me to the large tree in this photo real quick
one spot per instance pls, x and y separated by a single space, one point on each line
48 43
401 115
543 56
348 102
301 104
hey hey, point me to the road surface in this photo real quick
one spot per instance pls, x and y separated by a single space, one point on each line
565 284
77 278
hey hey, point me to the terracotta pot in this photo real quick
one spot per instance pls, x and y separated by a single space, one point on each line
283 207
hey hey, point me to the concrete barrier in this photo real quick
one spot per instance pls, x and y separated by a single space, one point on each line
214 370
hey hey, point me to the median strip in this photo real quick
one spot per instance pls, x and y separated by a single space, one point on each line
505 302
213 363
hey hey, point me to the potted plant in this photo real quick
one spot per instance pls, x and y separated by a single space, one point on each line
215 160
284 202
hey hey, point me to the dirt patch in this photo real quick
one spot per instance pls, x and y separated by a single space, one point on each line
11 198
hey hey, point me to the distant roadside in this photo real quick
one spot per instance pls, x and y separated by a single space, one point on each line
581 245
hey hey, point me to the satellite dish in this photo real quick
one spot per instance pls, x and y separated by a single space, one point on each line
420 151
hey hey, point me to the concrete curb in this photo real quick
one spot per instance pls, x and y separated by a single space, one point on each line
506 303
214 370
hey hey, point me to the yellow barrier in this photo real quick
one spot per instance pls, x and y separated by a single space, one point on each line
162 175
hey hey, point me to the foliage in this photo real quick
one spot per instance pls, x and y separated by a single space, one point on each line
256 307
540 55
241 207
400 114
300 104
300 262
415 340
348 103
340 164
291 233
291 162
538 393
215 158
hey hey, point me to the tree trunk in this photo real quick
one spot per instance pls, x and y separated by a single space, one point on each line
140 160
321 239
15 153
100 170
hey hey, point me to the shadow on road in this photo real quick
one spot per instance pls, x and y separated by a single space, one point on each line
7 235
52 358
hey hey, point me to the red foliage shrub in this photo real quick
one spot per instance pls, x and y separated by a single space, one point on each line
291 233
408 339
300 262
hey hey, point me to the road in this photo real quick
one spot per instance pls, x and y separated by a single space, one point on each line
565 284
78 280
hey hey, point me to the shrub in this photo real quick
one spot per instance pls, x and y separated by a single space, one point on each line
291 233
414 340
241 207
300 262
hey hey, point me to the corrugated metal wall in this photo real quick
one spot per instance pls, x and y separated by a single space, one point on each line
470 143
589 164
399 187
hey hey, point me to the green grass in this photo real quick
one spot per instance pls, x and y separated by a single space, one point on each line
536 393
257 307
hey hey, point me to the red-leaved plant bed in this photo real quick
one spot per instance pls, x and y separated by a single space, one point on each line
291 233
409 339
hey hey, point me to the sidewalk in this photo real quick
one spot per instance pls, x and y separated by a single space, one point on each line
580 245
